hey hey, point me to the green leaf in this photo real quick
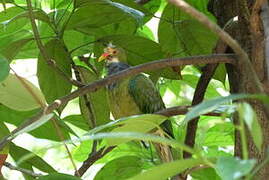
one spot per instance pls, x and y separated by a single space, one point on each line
102 13
98 109
81 152
18 117
31 159
220 73
38 14
74 39
4 131
141 124
77 120
12 49
211 105
42 120
250 118
59 176
4 68
220 135
186 35
16 95
231 168
145 32
132 136
52 84
167 170
205 174
7 25
120 168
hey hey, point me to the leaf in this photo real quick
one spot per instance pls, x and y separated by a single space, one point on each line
7 26
120 168
52 84
102 13
42 120
220 73
11 50
15 94
141 124
187 36
211 105
4 152
81 152
33 160
231 168
98 109
58 176
37 14
205 174
74 39
166 170
132 136
18 117
220 135
78 121
4 68
250 118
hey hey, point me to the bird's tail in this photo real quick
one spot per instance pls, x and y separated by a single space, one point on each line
164 151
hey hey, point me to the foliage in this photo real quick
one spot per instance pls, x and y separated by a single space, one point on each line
73 34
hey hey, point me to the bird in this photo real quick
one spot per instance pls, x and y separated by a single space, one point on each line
134 95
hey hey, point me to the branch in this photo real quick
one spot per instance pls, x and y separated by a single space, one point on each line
42 49
24 171
243 59
181 110
142 2
265 22
200 90
92 87
92 159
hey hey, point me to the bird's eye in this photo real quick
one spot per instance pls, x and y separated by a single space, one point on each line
114 52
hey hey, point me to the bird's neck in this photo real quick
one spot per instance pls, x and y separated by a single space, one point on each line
114 67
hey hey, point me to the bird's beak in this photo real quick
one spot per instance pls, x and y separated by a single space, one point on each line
103 57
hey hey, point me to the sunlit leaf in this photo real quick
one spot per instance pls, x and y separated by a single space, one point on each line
31 159
167 170
211 105
231 168
20 94
250 118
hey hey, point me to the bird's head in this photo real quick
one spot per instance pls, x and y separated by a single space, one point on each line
113 54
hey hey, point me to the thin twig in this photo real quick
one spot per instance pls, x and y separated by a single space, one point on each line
22 170
225 37
92 159
42 49
94 86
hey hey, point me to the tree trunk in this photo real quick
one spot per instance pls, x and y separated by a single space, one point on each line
249 33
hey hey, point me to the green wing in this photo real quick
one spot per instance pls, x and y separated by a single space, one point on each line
145 95
147 98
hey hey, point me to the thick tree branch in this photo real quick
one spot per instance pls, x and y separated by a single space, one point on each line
92 87
24 171
42 49
243 59
265 22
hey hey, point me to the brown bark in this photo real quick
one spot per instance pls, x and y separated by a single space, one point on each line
249 33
